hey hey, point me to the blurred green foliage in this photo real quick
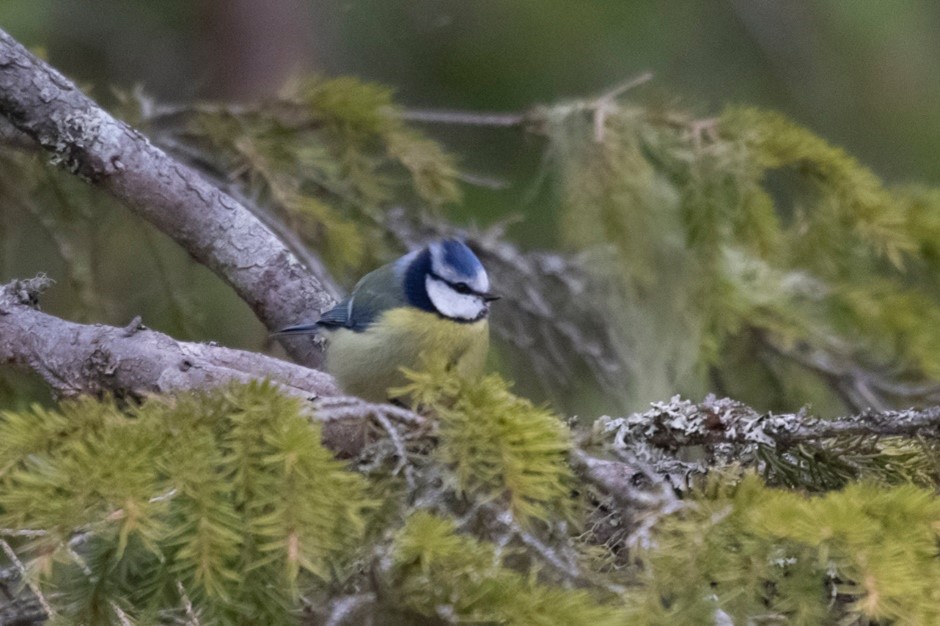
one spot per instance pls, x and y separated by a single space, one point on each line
746 234
328 157
865 553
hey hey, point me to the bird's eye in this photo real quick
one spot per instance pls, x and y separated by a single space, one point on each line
462 288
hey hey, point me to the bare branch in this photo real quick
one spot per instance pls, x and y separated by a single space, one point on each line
214 228
860 387
21 607
625 86
191 618
78 358
33 589
464 118
517 120
348 609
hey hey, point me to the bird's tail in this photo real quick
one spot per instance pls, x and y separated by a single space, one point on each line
300 329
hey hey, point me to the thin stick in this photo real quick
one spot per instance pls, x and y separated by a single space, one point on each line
18 564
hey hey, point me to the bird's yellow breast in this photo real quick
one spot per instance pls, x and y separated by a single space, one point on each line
368 363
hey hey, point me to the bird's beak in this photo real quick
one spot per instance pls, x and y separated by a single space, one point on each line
489 297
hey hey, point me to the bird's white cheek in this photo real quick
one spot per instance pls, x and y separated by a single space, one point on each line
463 306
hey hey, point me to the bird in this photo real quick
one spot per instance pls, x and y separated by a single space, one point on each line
428 306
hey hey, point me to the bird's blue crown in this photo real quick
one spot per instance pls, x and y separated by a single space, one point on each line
449 260
453 261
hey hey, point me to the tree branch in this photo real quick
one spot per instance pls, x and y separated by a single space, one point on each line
465 118
214 228
76 359
133 361
601 105
859 386
21 607
680 423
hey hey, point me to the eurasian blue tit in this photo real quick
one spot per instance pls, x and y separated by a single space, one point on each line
429 306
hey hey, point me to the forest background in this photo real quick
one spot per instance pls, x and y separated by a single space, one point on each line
678 199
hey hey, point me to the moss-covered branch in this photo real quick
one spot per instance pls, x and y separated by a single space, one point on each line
679 423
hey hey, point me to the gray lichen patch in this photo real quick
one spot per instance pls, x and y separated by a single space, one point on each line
25 291
70 138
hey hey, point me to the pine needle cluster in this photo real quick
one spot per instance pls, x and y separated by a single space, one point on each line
226 502
499 446
758 554
228 496
442 573
224 507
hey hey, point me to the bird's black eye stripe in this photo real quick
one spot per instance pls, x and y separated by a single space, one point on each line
460 287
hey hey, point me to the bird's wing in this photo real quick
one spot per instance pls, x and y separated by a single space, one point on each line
375 293
337 316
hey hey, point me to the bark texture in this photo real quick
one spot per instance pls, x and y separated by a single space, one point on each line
213 227
77 359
